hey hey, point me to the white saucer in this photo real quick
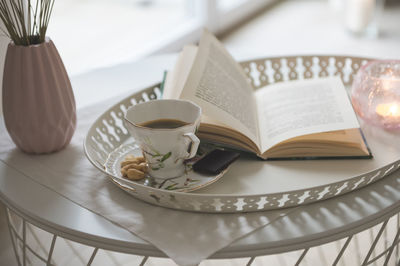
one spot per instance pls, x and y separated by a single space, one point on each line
189 181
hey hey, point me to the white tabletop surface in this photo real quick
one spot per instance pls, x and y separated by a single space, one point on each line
311 224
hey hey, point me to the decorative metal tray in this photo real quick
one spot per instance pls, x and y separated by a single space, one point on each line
252 185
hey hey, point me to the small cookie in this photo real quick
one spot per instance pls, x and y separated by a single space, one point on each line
134 168
130 161
134 174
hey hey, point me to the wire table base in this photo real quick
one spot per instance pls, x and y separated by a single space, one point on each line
378 245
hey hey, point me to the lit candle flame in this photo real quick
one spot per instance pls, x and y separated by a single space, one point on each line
394 110
388 110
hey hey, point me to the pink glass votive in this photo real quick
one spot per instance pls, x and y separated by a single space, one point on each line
375 93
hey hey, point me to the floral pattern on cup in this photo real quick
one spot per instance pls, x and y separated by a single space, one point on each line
158 158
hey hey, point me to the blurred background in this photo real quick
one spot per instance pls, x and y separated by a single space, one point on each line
105 32
96 33
92 34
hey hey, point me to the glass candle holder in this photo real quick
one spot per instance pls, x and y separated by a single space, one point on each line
375 93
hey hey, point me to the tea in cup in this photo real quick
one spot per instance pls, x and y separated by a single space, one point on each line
165 131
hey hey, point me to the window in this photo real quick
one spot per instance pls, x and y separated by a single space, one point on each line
96 33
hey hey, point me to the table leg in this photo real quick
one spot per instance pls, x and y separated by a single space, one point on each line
378 244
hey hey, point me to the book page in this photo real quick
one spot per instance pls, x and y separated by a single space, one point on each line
296 108
219 86
176 79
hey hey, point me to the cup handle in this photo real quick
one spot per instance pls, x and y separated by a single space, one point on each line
194 144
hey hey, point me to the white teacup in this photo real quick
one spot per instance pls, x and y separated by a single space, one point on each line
165 148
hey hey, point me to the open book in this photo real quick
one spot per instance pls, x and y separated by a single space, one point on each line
297 119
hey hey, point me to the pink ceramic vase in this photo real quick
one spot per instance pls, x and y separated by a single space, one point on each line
38 102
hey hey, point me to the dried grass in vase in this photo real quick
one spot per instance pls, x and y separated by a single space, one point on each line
25 21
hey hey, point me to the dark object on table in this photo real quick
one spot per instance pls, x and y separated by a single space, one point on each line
215 162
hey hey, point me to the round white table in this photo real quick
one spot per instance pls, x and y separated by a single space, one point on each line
316 224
